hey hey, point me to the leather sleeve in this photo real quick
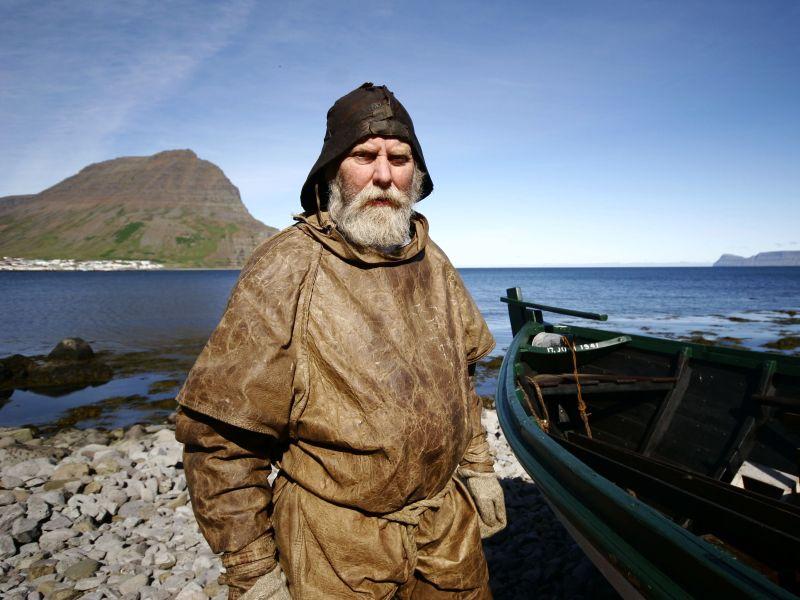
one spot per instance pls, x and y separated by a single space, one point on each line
226 472
477 456
245 375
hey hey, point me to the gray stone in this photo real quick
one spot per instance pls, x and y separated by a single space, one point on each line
108 542
71 470
191 591
38 509
55 540
7 497
9 482
56 484
82 570
164 560
89 583
135 432
107 466
133 584
40 568
25 530
92 487
57 521
30 554
52 497
64 591
31 468
7 547
45 585
9 514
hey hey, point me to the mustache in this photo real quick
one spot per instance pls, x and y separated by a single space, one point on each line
372 193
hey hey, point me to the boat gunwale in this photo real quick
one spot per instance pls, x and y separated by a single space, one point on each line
785 364
563 479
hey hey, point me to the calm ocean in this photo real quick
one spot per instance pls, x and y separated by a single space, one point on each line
136 310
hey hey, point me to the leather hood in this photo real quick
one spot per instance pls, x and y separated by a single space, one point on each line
367 111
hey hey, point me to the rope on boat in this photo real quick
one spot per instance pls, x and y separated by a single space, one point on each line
581 403
544 424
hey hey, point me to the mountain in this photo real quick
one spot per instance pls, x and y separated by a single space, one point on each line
788 258
171 207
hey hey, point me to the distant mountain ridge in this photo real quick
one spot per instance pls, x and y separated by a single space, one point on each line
171 207
785 258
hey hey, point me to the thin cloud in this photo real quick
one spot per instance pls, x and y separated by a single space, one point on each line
79 75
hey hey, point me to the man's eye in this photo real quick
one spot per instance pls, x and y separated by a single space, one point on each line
400 160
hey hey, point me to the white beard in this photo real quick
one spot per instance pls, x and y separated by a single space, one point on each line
384 228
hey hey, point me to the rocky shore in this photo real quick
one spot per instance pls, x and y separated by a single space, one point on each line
8 263
106 514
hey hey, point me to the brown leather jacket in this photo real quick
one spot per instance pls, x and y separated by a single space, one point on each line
345 367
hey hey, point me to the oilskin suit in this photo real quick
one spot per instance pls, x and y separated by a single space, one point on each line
347 369
354 365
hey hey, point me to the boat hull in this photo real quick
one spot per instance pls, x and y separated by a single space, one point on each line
641 552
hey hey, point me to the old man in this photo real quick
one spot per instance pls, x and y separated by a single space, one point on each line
344 359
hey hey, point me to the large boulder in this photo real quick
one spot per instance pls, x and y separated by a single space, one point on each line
70 366
71 349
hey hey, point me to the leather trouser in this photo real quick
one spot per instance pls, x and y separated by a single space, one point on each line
428 550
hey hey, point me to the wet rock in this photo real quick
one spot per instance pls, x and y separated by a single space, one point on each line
71 349
52 375
22 434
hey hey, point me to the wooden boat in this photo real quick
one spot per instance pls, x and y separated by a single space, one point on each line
674 465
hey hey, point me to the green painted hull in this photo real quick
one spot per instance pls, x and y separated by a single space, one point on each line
640 550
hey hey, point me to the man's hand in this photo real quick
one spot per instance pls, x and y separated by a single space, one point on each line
488 497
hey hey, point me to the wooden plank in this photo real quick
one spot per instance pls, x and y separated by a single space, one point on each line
597 387
779 401
665 413
758 525
741 445
516 314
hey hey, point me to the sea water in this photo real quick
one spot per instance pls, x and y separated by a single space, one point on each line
157 311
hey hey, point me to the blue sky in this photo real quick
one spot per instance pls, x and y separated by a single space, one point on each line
555 132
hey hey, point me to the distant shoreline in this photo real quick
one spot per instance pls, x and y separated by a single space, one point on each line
8 263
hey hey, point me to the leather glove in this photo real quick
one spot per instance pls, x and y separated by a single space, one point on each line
271 586
487 494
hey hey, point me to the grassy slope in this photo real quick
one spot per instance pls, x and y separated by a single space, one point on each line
109 233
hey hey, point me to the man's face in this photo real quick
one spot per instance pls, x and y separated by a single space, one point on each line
381 161
373 191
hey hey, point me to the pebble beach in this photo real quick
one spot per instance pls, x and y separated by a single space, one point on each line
89 513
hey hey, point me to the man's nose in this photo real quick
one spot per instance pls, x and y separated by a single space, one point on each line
382 175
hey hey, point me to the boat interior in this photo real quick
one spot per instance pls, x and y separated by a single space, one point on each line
708 436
